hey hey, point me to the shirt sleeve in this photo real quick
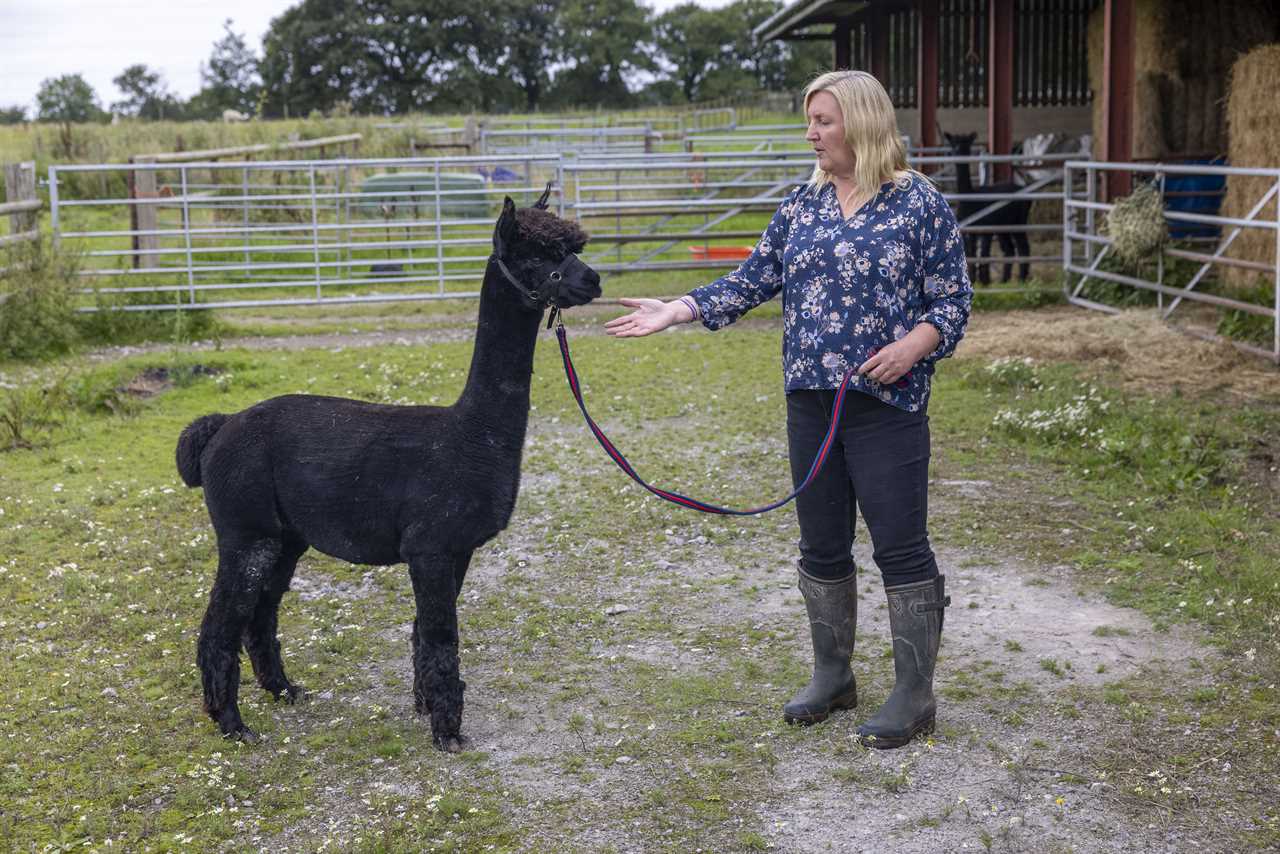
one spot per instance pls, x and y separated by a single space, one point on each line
948 295
757 279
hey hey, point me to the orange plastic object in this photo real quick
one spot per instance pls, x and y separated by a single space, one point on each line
721 253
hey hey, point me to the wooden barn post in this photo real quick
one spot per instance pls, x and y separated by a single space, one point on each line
927 65
842 48
1117 92
878 31
1000 83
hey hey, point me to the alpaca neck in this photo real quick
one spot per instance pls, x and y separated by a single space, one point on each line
497 391
964 183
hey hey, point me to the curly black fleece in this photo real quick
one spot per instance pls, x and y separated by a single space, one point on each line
376 484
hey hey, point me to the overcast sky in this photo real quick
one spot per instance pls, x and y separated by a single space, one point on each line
100 38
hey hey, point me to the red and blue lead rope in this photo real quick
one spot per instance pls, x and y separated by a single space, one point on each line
674 497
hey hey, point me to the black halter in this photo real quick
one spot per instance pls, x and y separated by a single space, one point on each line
543 294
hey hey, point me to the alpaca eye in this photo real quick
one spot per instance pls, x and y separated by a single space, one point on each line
555 276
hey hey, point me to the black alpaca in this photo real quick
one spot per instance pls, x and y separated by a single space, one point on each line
377 484
1014 214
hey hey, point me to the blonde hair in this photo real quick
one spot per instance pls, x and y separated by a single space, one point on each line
870 129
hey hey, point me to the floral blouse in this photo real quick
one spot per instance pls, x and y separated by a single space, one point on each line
851 286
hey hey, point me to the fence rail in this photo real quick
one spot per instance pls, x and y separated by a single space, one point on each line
1081 226
223 235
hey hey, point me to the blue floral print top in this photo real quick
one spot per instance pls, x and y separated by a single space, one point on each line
852 286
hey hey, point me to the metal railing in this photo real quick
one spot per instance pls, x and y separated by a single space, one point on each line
1081 226
294 232
227 235
307 232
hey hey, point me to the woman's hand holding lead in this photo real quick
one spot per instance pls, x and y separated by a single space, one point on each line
893 361
650 316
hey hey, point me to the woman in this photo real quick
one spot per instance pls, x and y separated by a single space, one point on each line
871 267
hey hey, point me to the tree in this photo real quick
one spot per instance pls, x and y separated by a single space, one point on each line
384 56
66 99
695 42
528 35
230 80
15 115
606 44
309 59
145 95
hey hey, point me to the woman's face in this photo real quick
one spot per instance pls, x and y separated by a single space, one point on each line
826 135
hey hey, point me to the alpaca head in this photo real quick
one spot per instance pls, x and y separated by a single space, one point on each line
961 143
541 252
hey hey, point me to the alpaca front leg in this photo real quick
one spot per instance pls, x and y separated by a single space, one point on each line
437 686
241 570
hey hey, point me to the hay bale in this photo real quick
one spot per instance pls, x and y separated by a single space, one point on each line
1136 225
1183 51
1253 121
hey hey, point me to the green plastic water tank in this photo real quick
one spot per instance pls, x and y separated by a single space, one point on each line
412 195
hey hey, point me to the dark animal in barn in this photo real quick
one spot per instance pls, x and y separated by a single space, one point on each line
378 484
1013 215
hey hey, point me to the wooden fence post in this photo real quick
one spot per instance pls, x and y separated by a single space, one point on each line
20 186
143 217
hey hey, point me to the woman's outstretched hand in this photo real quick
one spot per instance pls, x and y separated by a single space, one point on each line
649 316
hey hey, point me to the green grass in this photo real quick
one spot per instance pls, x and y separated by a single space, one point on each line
105 562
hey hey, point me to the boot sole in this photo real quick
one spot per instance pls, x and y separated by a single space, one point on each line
845 701
884 742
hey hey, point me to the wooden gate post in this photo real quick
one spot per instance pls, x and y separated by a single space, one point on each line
143 217
20 186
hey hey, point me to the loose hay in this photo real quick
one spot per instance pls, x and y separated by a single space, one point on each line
1135 348
1136 224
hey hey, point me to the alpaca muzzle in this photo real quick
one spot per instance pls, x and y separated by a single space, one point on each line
571 283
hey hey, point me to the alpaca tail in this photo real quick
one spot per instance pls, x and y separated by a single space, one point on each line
191 445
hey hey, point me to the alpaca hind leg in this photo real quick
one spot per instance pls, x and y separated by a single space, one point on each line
260 639
1024 251
437 686
242 568
1009 251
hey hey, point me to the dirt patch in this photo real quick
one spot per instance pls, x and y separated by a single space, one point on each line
1135 348
1013 772
157 380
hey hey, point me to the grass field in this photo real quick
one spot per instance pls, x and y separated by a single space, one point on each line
654 727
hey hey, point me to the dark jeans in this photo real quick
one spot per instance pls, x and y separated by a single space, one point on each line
880 459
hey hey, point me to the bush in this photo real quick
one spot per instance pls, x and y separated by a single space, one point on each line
37 302
115 323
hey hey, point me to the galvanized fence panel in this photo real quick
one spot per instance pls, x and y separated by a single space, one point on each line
1082 228
223 235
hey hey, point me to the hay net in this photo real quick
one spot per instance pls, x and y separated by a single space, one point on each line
1136 224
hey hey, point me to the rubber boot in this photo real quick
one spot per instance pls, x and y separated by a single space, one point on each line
833 614
915 619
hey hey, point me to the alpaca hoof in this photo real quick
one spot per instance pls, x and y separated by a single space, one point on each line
292 695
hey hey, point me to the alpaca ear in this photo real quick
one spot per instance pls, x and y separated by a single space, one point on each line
541 203
505 231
